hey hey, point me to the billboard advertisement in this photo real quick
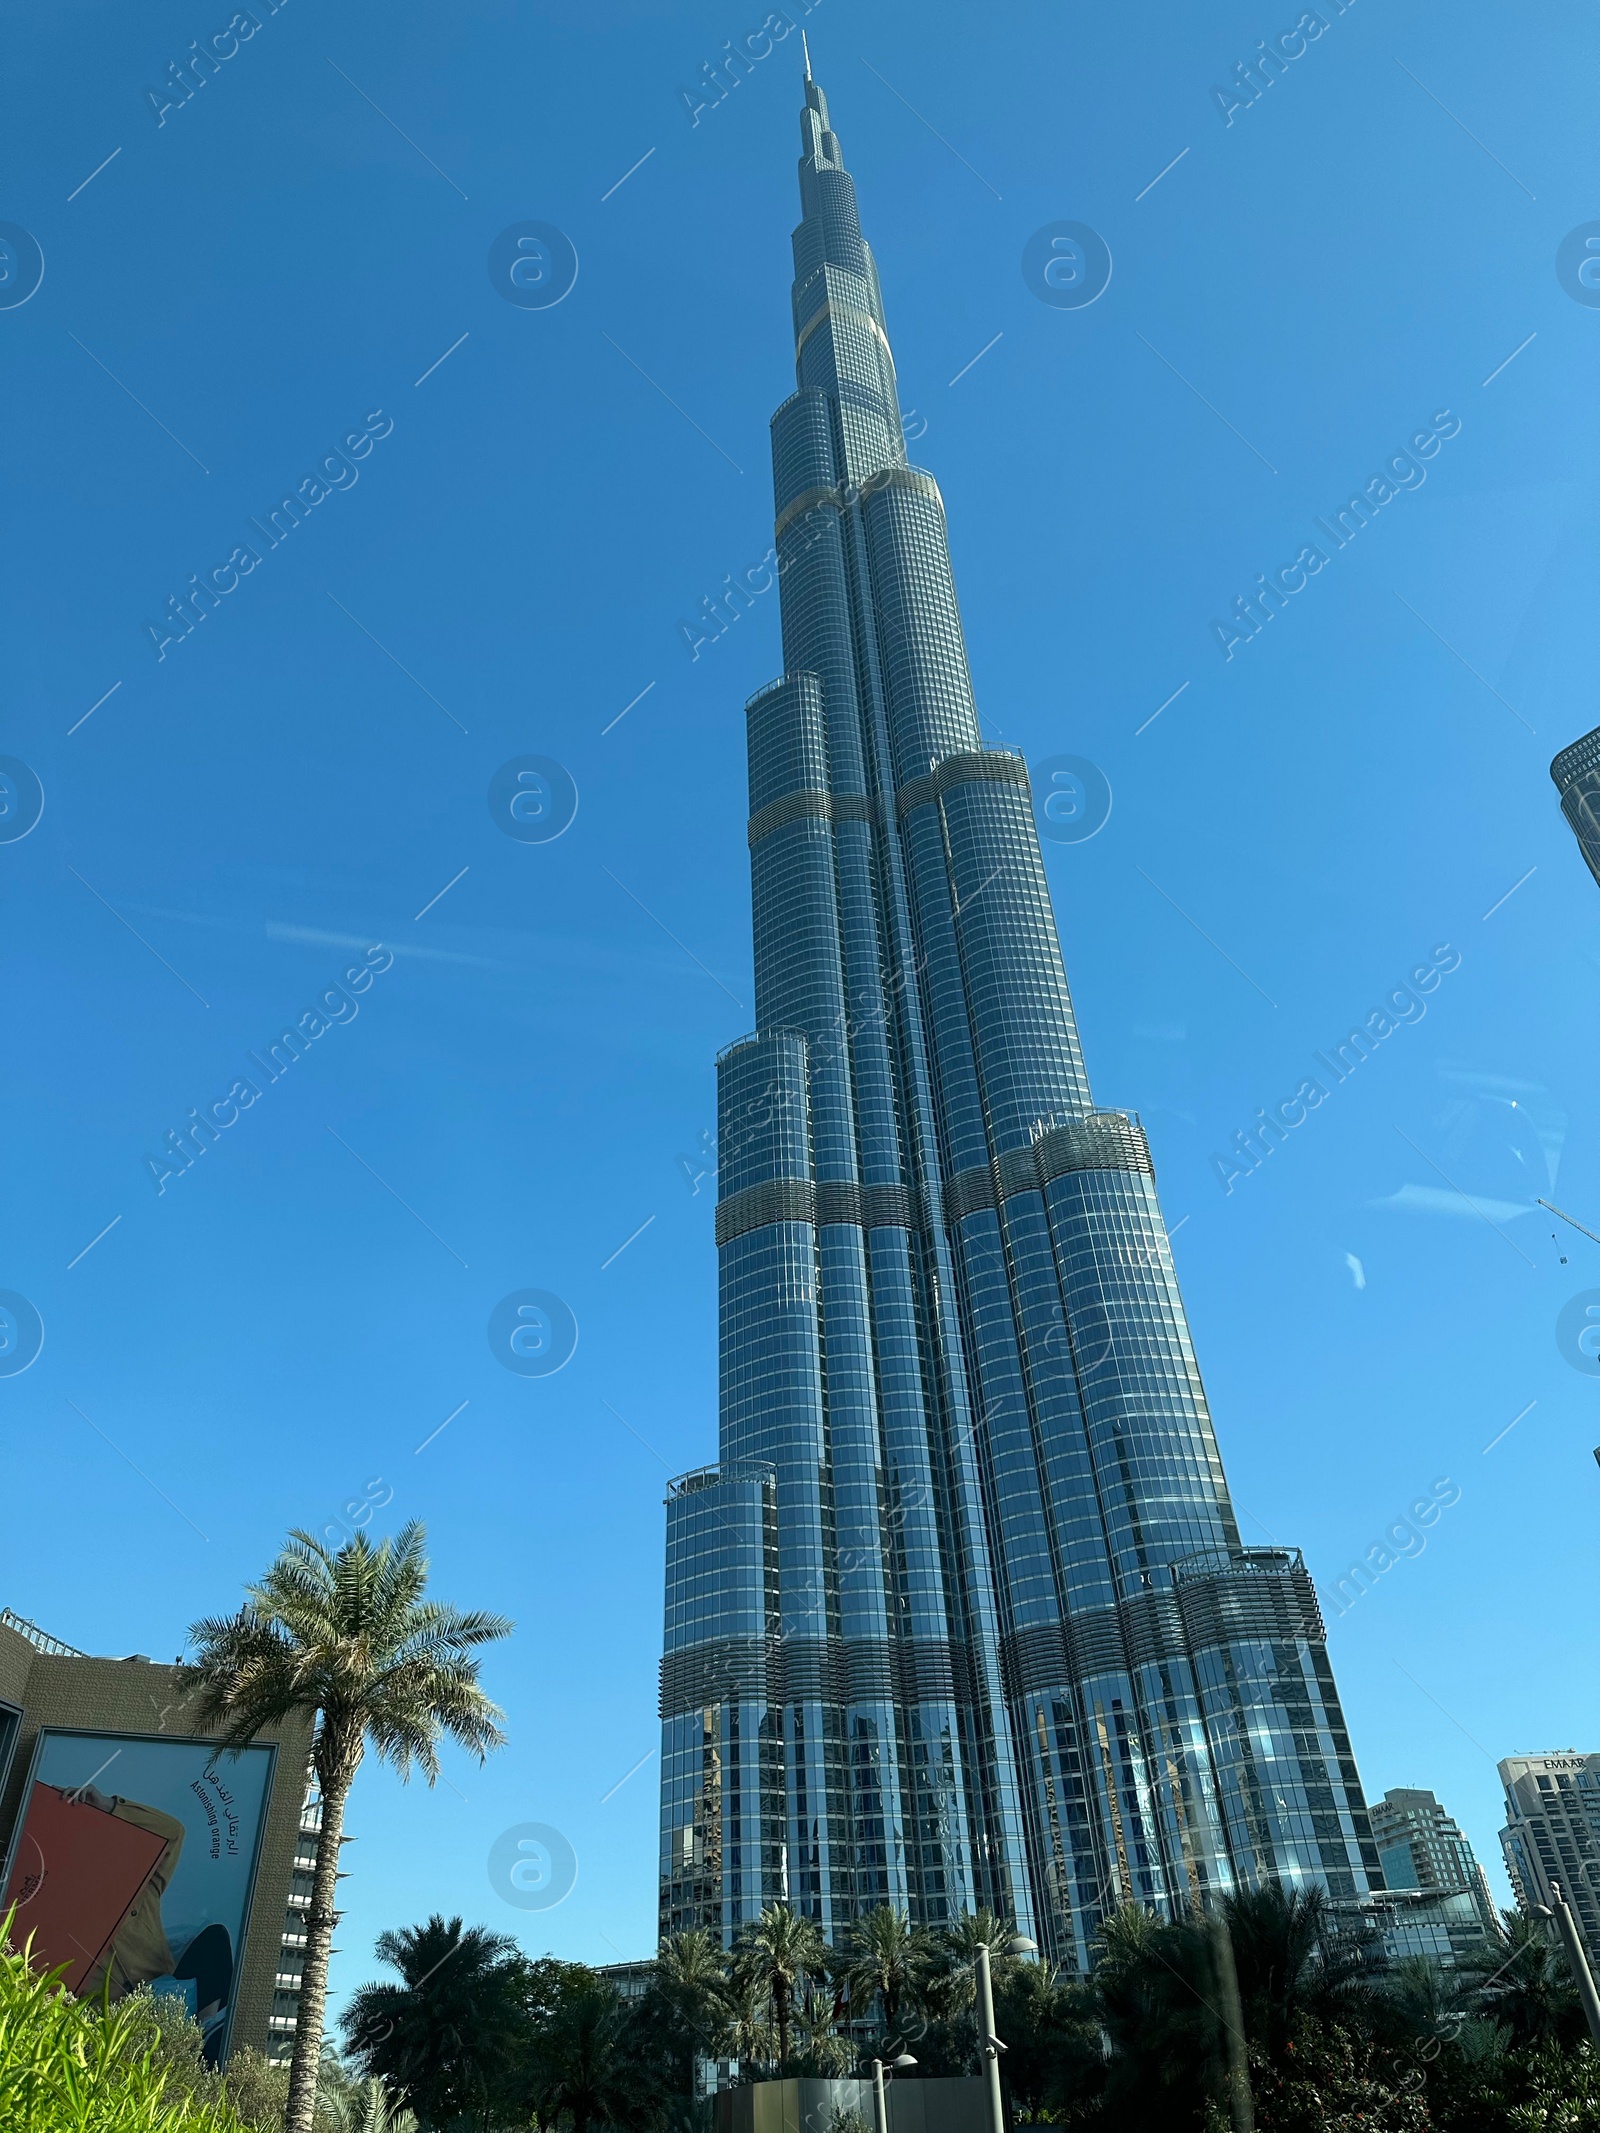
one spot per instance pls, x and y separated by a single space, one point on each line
134 1863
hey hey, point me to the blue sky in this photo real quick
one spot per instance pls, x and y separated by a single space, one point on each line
299 255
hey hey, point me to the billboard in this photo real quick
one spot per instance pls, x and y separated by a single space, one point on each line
133 1865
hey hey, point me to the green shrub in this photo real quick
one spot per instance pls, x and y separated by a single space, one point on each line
74 2066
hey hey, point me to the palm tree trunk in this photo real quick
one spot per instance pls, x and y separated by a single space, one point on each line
320 1922
780 1999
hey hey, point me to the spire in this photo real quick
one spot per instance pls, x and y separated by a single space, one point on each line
819 143
807 51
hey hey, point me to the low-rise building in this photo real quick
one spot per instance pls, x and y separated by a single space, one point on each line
137 1851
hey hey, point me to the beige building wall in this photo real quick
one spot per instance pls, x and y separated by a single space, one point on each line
136 1696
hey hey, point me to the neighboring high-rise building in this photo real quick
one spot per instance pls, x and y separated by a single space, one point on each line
1552 1833
1435 1882
1576 771
963 1617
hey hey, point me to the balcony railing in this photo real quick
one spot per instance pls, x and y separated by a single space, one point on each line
40 1639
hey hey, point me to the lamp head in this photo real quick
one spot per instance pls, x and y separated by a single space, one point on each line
1019 1944
905 2059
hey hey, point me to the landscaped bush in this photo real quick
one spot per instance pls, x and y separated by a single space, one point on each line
74 2066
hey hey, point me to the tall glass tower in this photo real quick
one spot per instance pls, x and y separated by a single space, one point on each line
962 1616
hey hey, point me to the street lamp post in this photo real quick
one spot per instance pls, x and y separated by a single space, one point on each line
1019 1944
1577 1961
881 2077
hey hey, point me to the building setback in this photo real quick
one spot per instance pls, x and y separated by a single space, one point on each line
1552 1833
962 1617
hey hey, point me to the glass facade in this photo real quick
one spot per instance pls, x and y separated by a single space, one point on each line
1552 1835
1436 1882
1576 771
962 1617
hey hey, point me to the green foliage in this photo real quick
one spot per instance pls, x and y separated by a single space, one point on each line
372 2108
1524 1986
886 1965
350 1640
445 2039
254 2087
1255 2014
1540 2089
1325 2078
581 2068
783 1954
845 2118
1055 2066
350 1637
73 2066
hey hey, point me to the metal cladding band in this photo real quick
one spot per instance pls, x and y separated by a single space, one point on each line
776 1200
1104 1140
967 1191
729 1670
704 1478
1267 1597
828 499
1015 1171
1152 1628
1097 1643
822 806
1050 1655
799 1200
849 311
988 766
909 478
841 498
886 1207
806 1670
1576 771
1101 1140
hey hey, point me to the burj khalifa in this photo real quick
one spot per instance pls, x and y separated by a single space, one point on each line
961 1618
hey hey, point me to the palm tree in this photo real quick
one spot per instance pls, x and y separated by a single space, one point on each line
373 2109
444 2037
1417 1999
1289 1964
689 1989
1155 1997
685 2014
748 2029
953 1985
1055 2066
886 1960
348 1640
1523 1983
581 2066
819 2051
783 1949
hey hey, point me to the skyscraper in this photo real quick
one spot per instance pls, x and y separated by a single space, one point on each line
1438 1885
1552 1833
1576 772
962 1617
